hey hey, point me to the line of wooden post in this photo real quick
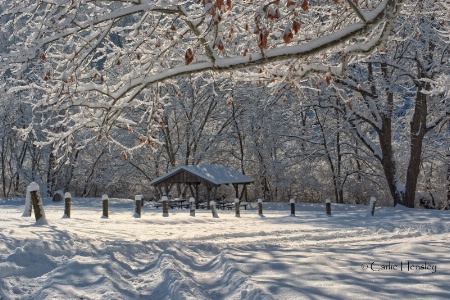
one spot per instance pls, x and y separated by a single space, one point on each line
33 202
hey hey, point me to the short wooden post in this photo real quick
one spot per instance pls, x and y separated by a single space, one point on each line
165 206
260 209
67 202
105 200
138 204
292 201
36 201
328 206
372 204
236 207
141 198
192 206
213 209
28 206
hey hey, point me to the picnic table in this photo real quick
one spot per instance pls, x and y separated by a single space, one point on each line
229 205
178 203
173 203
224 204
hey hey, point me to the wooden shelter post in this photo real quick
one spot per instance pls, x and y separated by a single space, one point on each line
191 190
184 191
215 193
166 190
242 192
236 188
196 192
160 191
208 196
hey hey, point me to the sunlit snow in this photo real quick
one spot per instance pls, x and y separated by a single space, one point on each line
399 252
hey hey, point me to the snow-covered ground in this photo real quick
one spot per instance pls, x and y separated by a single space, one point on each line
310 256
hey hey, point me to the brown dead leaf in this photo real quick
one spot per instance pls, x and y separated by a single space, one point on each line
189 56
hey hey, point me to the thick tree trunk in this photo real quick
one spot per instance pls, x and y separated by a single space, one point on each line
388 162
417 130
385 137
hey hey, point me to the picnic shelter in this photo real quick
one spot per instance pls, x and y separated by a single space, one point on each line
211 176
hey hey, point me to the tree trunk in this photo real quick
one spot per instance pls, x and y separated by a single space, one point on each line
388 161
448 181
385 137
71 170
335 170
91 175
3 167
50 173
339 185
447 206
35 153
417 131
21 160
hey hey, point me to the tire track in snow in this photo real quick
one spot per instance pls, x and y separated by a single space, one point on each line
182 272
118 271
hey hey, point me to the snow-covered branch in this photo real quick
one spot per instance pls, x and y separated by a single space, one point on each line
106 55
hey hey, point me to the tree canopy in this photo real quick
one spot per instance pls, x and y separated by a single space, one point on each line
97 59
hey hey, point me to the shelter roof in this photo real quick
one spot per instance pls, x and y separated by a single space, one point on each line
216 174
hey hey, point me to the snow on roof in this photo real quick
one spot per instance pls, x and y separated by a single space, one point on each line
216 174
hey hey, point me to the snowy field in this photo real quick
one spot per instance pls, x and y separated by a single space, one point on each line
399 252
